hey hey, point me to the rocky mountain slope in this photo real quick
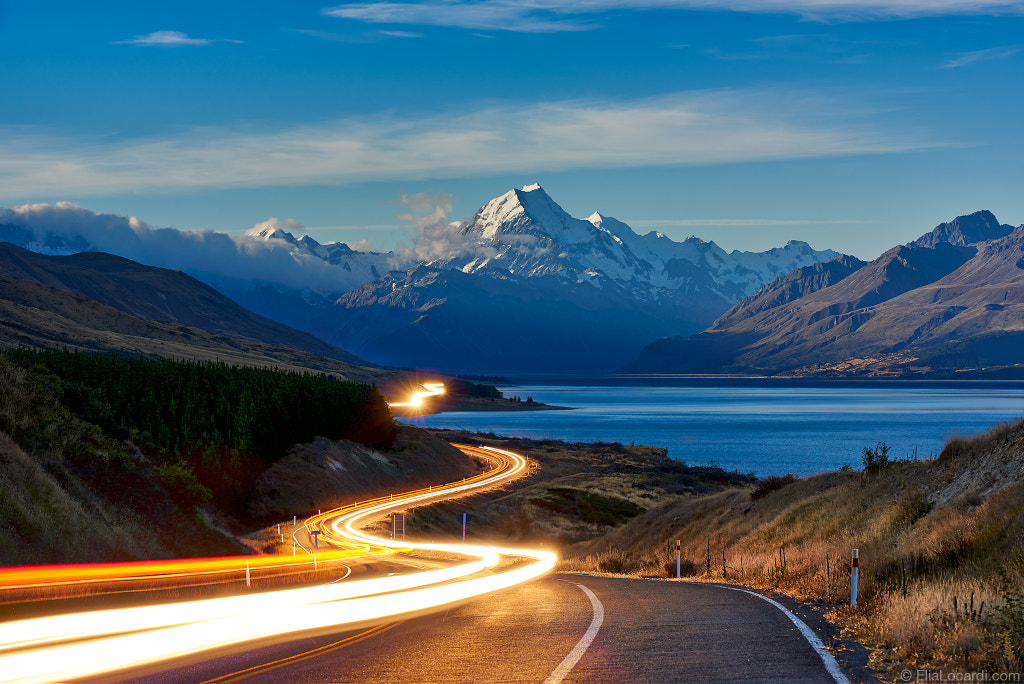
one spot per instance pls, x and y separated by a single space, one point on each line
952 299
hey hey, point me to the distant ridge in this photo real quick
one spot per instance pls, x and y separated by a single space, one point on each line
39 316
952 300
160 295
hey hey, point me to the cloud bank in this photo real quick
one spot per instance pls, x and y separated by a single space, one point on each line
228 261
692 128
549 16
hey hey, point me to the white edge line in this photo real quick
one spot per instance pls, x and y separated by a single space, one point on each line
348 571
816 643
583 644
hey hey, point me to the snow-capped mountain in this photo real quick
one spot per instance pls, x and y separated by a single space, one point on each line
524 232
365 266
522 285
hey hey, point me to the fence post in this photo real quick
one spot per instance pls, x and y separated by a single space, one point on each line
853 579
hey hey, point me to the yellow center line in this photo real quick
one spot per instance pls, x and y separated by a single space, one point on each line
299 657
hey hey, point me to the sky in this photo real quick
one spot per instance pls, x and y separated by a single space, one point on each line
854 125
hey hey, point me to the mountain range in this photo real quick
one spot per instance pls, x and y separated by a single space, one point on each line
521 285
951 300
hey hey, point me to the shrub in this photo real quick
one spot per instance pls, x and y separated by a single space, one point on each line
771 483
687 568
614 564
875 460
181 483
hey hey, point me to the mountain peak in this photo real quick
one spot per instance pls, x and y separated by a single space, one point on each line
532 188
965 230
265 232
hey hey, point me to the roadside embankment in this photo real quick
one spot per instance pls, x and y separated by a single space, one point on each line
576 492
325 473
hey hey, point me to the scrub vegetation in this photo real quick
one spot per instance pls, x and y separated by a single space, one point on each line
941 545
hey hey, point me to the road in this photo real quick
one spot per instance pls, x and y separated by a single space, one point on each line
652 631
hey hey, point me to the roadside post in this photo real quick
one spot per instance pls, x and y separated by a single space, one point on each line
679 550
247 583
853 579
464 516
316 546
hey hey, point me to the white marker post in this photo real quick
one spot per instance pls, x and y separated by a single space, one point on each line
463 527
853 579
247 583
679 551
316 546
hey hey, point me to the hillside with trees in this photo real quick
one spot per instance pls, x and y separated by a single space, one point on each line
108 458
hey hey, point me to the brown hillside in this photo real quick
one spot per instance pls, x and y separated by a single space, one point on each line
161 295
36 315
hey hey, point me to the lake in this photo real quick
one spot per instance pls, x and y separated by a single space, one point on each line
766 430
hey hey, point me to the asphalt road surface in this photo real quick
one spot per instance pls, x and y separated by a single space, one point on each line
638 631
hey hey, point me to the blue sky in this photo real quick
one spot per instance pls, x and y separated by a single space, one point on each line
852 125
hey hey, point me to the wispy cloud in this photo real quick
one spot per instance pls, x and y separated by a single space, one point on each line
548 16
692 128
402 34
991 54
171 39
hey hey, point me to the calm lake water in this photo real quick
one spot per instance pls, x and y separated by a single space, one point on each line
764 430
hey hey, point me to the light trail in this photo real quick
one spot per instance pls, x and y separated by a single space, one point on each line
99 642
50 576
432 389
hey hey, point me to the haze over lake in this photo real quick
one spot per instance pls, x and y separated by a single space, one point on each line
767 430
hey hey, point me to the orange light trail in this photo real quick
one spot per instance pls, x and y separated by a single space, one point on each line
98 642
36 576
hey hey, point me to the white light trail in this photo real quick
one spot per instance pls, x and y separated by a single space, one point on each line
89 644
432 390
